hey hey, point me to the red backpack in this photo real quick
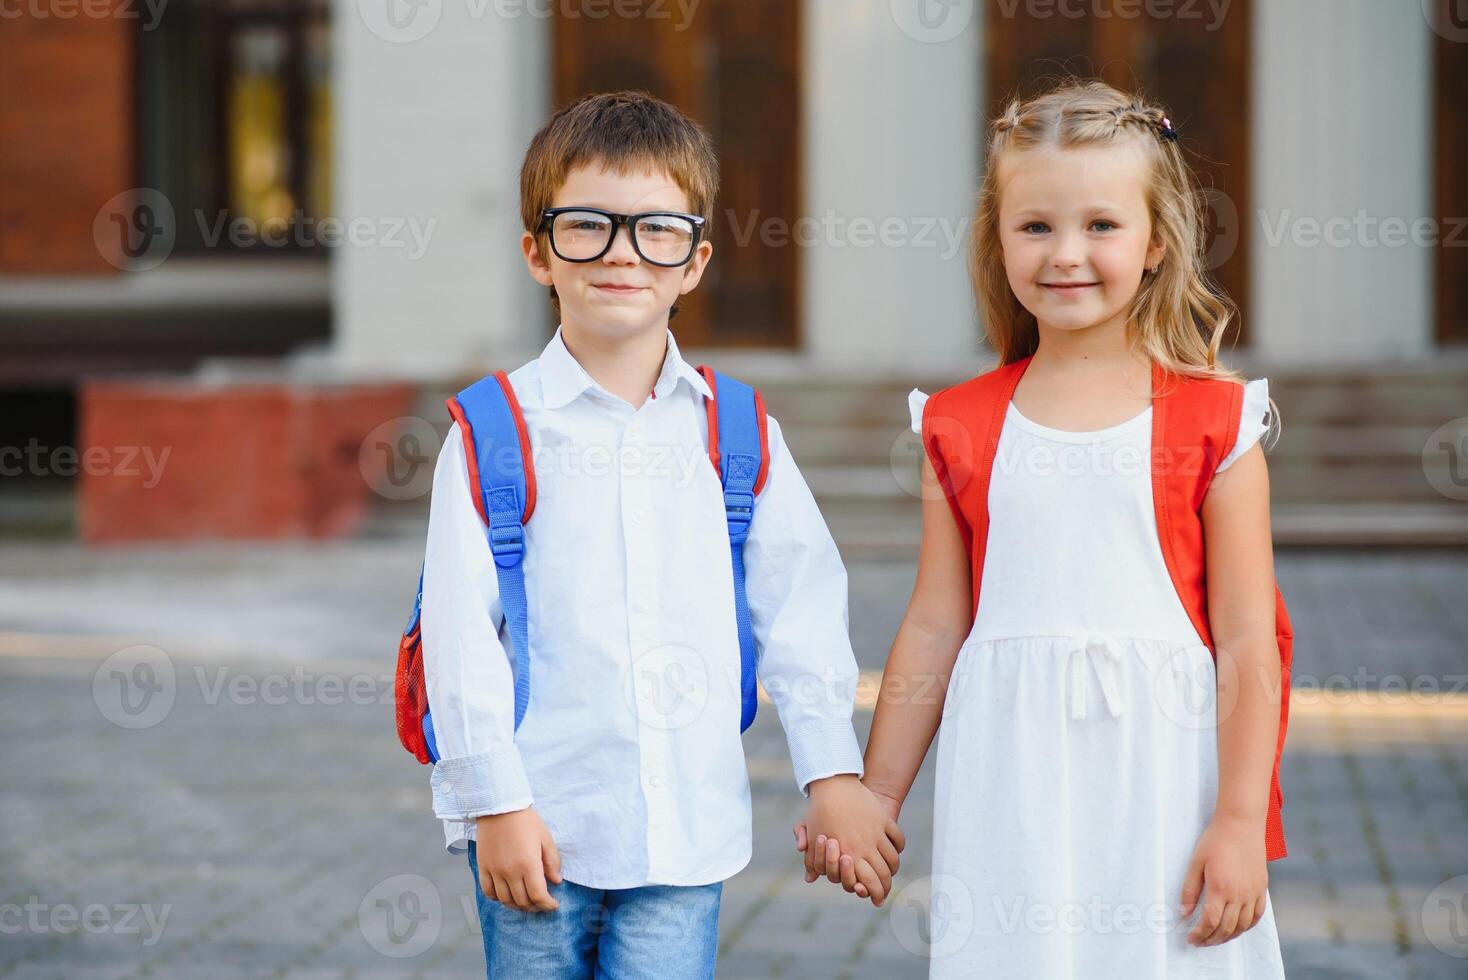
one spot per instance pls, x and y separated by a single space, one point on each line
1194 425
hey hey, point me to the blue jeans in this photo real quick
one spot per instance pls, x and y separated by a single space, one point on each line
658 932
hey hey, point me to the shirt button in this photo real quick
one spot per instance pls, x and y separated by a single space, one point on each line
640 517
639 606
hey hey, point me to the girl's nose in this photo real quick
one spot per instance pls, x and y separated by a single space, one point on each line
1069 252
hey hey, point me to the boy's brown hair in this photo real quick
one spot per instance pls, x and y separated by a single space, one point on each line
627 132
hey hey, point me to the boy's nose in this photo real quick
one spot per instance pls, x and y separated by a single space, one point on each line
622 252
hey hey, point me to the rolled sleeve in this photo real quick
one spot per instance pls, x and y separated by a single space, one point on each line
797 592
466 669
494 782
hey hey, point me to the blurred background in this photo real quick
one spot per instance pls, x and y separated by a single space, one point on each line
247 247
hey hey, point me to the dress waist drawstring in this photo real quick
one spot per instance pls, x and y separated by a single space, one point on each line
1094 653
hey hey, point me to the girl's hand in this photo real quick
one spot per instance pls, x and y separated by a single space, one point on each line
830 861
1229 863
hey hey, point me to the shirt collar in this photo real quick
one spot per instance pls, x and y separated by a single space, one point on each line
563 379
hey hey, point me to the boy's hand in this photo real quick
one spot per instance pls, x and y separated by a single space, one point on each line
516 857
1229 860
856 840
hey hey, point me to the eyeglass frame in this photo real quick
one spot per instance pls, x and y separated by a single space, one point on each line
548 216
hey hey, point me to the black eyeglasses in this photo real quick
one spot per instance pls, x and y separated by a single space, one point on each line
664 238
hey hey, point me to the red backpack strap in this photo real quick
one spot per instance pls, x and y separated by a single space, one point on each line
1195 423
961 430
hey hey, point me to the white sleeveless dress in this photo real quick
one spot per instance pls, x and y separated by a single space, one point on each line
1077 759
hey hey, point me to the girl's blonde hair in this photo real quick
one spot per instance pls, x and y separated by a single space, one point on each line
1177 317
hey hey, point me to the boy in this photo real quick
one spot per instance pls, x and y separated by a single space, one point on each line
600 831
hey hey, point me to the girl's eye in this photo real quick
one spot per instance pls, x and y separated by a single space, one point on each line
1036 228
1103 226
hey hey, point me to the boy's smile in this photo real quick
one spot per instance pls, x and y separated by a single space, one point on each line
617 295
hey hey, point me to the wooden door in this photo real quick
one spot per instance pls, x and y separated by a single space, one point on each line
734 67
1450 161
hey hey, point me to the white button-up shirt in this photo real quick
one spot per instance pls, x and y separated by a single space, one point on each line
630 748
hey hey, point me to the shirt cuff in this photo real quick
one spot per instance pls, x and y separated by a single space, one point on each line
824 748
477 785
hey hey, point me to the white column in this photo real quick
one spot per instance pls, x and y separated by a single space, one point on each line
435 103
1342 170
892 121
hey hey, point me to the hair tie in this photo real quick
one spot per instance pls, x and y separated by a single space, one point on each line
1165 128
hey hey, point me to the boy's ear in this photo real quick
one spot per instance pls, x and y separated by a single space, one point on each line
693 271
534 261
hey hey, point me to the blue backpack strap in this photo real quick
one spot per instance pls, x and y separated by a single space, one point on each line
738 435
499 457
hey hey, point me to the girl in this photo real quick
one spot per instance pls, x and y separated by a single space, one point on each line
1107 796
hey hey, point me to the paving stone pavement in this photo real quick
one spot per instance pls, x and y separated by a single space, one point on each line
265 823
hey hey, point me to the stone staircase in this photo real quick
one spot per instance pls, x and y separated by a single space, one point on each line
1348 469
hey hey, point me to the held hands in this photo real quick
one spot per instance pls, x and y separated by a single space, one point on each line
516 858
1229 861
850 835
